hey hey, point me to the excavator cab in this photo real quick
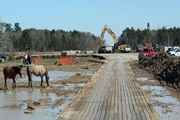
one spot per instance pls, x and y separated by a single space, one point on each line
115 49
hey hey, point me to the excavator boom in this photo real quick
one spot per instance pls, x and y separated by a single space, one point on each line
106 28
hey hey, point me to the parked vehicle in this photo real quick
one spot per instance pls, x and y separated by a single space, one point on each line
174 52
2 57
102 49
89 52
139 48
176 47
170 50
146 52
127 48
121 48
105 49
124 48
109 49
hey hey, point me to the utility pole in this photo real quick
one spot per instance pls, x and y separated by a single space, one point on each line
148 44
148 33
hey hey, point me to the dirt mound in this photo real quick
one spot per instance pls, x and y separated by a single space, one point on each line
164 67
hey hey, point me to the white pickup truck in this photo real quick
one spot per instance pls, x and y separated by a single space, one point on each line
174 52
105 49
127 48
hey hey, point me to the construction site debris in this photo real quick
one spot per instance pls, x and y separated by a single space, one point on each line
164 67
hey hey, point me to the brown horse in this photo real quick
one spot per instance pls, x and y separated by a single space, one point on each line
37 70
11 72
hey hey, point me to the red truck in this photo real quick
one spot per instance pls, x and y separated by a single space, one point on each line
146 52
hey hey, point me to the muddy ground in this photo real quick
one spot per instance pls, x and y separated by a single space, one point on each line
65 83
165 99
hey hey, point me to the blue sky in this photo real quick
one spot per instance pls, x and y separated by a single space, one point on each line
91 15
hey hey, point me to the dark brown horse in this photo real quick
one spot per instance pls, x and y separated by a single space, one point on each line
11 72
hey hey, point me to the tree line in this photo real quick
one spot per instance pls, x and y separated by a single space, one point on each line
16 39
161 36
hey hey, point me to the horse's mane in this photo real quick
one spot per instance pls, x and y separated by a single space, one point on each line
16 69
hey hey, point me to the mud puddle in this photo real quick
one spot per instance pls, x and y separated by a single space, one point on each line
13 104
44 105
57 75
142 79
166 106
69 86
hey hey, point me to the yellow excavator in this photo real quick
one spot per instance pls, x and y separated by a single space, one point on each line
106 28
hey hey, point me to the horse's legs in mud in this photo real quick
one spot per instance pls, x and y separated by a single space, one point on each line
47 78
160 82
29 77
5 85
47 82
14 83
177 83
41 80
30 80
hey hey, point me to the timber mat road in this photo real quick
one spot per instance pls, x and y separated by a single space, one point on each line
112 94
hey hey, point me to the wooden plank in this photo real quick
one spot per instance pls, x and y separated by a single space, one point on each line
124 111
129 117
134 101
98 109
112 101
101 108
108 106
120 95
89 104
143 111
81 104
92 107
133 105
98 105
105 101
115 95
130 99
84 107
116 114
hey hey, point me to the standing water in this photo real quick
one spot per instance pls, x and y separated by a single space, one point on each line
166 106
13 103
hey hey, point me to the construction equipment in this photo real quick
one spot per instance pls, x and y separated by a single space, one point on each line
148 44
124 48
106 28
139 48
